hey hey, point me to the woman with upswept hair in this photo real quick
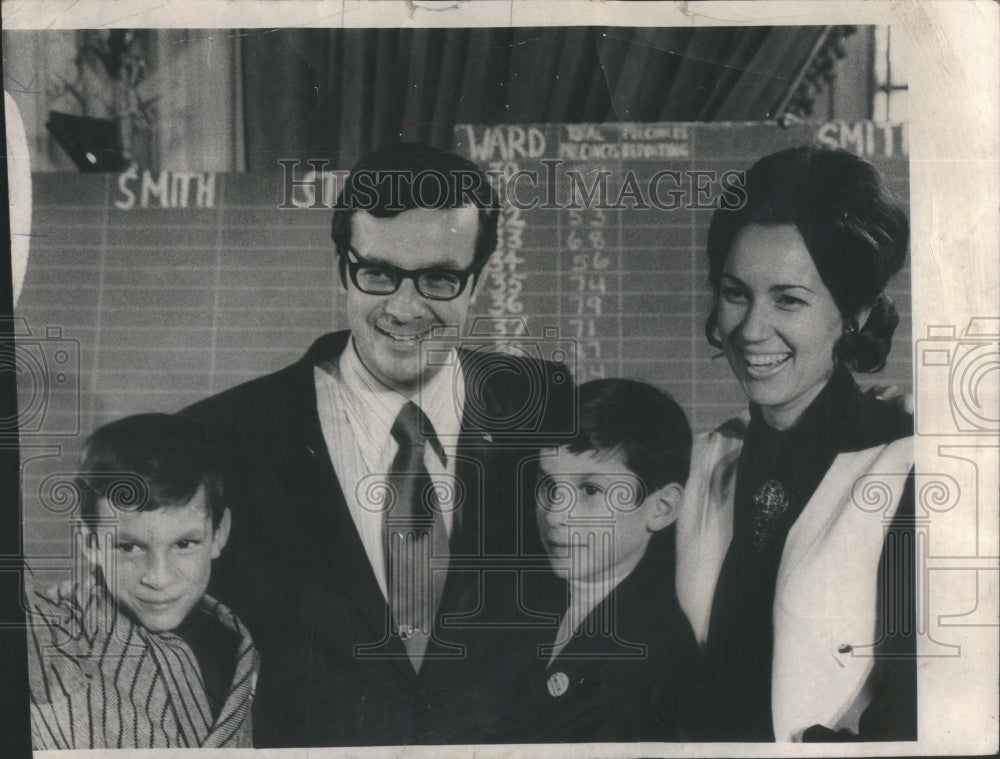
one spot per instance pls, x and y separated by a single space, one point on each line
797 592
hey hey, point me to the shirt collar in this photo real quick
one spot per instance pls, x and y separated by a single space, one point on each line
373 406
443 400
585 596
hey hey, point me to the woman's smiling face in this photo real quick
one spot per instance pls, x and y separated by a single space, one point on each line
777 320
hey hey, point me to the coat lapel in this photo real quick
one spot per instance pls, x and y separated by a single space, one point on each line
232 726
300 458
474 455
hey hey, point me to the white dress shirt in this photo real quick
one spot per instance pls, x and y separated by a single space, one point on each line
357 412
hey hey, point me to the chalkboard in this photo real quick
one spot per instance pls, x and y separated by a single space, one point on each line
148 291
602 240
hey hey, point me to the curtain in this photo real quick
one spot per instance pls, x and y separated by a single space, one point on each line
336 94
199 101
224 100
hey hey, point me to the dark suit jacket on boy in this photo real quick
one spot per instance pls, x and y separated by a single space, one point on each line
638 683
297 573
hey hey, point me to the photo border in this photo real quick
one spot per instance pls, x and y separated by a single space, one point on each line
954 142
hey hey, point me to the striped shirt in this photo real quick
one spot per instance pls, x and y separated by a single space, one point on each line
100 680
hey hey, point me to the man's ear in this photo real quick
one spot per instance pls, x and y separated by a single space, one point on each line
342 276
474 283
663 506
220 535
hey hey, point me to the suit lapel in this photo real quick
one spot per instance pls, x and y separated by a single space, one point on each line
474 455
301 459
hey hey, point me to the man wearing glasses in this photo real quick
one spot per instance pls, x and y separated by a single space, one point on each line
369 480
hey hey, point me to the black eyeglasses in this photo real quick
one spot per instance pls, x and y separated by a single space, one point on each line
384 279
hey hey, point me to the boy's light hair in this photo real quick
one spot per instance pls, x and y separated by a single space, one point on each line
643 423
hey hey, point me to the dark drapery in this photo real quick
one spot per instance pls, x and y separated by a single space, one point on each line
335 94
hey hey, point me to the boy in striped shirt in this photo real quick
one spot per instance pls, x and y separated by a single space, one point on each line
133 653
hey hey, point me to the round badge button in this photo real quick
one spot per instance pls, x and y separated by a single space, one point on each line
558 684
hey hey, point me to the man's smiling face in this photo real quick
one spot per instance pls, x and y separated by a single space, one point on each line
387 329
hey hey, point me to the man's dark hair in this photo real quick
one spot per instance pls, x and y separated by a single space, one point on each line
407 176
145 462
645 424
855 232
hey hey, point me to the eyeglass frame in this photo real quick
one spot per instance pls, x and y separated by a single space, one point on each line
412 274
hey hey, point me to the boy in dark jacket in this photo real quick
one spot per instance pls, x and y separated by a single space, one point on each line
623 664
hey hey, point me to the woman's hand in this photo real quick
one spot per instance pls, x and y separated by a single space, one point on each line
892 394
58 593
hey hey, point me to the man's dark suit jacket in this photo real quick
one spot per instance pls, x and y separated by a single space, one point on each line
296 572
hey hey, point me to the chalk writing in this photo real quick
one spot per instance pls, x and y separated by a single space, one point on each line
507 143
585 288
168 189
865 138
